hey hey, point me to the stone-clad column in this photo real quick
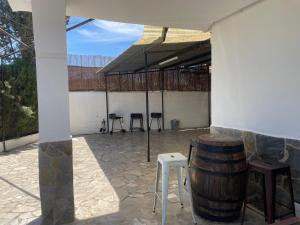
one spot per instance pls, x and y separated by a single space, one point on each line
55 144
56 182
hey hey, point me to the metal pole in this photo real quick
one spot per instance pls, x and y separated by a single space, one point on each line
13 37
2 109
79 24
106 99
178 85
162 98
147 108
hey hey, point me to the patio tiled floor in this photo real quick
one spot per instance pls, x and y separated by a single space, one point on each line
113 183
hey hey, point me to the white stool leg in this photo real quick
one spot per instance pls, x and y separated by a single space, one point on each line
179 178
156 185
188 185
165 185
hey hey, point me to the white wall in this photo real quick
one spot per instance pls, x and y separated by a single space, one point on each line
191 108
87 109
256 69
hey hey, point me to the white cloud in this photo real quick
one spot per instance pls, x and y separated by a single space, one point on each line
106 31
121 28
87 33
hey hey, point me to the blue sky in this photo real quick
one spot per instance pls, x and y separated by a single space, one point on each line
102 37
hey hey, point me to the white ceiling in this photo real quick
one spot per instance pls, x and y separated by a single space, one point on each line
188 14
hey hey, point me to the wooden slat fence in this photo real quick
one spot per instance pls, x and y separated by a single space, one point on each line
86 79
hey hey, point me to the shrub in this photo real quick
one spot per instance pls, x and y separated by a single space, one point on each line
19 99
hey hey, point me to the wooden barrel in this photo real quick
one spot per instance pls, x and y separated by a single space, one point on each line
218 177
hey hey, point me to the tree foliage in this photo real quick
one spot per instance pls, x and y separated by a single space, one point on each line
18 85
18 89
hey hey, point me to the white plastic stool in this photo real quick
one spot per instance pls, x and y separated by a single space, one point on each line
165 161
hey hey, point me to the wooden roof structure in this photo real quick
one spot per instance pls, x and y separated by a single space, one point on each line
165 48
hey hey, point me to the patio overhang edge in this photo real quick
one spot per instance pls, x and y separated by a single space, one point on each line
194 12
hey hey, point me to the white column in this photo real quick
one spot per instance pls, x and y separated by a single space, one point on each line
55 146
49 19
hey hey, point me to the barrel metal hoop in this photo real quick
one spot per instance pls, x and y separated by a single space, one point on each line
219 161
237 209
221 149
217 218
222 174
240 200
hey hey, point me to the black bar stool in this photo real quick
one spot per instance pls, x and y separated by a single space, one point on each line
270 171
158 117
114 117
136 116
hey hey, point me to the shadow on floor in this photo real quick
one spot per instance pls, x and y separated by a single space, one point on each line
19 188
114 183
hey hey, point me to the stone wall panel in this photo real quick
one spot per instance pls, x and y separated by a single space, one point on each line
259 146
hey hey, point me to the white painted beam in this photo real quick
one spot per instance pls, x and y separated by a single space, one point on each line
189 14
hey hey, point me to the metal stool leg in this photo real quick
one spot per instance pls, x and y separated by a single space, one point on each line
245 199
121 125
291 191
158 124
165 185
156 185
180 189
270 196
190 154
265 198
188 185
189 159
131 123
112 126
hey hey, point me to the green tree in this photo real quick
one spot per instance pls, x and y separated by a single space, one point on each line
19 99
18 87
